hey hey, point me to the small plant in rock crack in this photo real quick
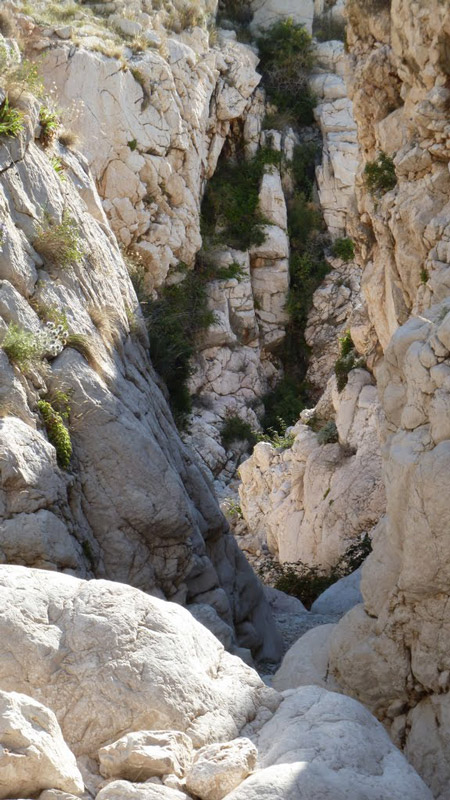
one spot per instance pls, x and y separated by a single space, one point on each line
328 434
57 433
348 360
236 429
308 582
11 119
49 122
59 244
380 175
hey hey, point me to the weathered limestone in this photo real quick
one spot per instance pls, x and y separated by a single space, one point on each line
219 768
146 530
295 762
311 501
145 754
97 653
33 754
392 652
266 12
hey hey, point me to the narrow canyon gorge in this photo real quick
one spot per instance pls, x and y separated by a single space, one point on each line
224 399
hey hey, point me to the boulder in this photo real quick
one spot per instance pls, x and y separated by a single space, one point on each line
144 754
33 753
98 654
123 790
219 768
323 746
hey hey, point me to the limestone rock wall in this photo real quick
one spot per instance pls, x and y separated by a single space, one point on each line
311 501
391 652
398 84
133 506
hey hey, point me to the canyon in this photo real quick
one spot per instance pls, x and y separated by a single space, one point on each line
174 248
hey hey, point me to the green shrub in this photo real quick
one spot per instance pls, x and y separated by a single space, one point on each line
11 119
303 167
348 360
58 166
22 347
344 249
231 202
424 275
380 174
284 403
59 244
174 321
57 433
277 437
287 58
233 271
238 11
49 122
328 434
307 583
236 429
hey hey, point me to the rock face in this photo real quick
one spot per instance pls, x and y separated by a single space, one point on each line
399 98
33 754
392 652
166 113
310 501
134 506
53 624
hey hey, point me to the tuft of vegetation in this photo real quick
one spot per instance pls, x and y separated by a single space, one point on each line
286 53
236 429
230 208
68 138
59 244
307 583
233 271
303 166
132 144
348 360
58 166
57 433
11 119
380 174
81 343
344 249
22 347
49 123
328 434
278 438
424 275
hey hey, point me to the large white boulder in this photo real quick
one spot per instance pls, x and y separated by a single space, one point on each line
109 659
123 790
323 746
33 753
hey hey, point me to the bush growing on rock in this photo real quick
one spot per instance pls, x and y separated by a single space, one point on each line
328 434
236 429
308 582
348 360
344 249
380 174
286 60
22 347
